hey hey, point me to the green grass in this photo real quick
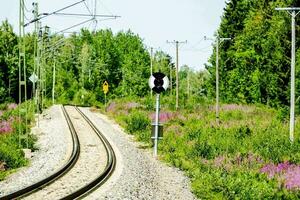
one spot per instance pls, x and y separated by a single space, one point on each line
222 161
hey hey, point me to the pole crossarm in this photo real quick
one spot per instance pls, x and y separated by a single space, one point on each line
85 15
290 10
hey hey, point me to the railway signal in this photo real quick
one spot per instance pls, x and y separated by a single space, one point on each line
158 82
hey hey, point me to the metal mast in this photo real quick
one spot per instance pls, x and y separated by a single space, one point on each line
22 72
36 32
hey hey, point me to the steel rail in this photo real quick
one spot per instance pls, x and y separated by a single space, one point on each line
109 168
63 170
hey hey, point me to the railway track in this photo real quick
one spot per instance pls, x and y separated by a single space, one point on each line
86 169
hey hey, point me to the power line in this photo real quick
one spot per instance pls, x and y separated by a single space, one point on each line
88 8
44 15
85 15
73 26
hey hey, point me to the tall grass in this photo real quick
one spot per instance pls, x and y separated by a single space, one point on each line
11 154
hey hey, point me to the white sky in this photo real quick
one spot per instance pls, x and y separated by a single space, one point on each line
156 21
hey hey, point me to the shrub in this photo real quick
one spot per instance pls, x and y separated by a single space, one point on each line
137 121
10 153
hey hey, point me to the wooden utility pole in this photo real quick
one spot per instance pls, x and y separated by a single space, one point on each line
177 69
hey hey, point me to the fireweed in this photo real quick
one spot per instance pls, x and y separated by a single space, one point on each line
286 173
5 127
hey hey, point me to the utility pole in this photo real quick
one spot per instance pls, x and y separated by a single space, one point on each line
22 69
177 69
171 83
188 83
35 12
293 12
36 53
38 61
53 82
218 42
151 67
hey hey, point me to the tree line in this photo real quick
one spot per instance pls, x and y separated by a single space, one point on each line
83 61
254 65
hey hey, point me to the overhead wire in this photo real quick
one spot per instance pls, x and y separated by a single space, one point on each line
26 9
73 26
103 5
44 15
87 7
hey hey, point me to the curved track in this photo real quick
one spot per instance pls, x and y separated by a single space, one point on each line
88 187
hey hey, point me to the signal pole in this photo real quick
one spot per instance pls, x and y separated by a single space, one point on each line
293 12
177 68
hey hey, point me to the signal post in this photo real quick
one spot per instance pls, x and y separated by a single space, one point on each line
158 83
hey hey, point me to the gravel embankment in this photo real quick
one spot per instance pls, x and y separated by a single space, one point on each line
138 175
55 146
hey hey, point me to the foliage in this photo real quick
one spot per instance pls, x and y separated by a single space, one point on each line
137 121
254 65
228 161
10 149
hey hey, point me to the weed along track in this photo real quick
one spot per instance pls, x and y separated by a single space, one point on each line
92 162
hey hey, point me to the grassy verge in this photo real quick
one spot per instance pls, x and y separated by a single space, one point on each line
11 154
247 156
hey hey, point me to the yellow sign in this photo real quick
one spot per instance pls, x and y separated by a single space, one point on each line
105 87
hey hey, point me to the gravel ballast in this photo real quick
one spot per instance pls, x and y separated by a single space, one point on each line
138 174
54 149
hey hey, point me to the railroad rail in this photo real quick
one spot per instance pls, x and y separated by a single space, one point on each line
88 187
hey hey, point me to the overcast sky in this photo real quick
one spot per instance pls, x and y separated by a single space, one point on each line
155 21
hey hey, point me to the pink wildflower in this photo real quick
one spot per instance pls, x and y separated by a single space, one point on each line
5 127
11 106
163 116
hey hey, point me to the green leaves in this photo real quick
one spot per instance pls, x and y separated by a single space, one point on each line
254 66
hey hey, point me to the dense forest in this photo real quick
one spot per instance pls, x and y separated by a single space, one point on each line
255 64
